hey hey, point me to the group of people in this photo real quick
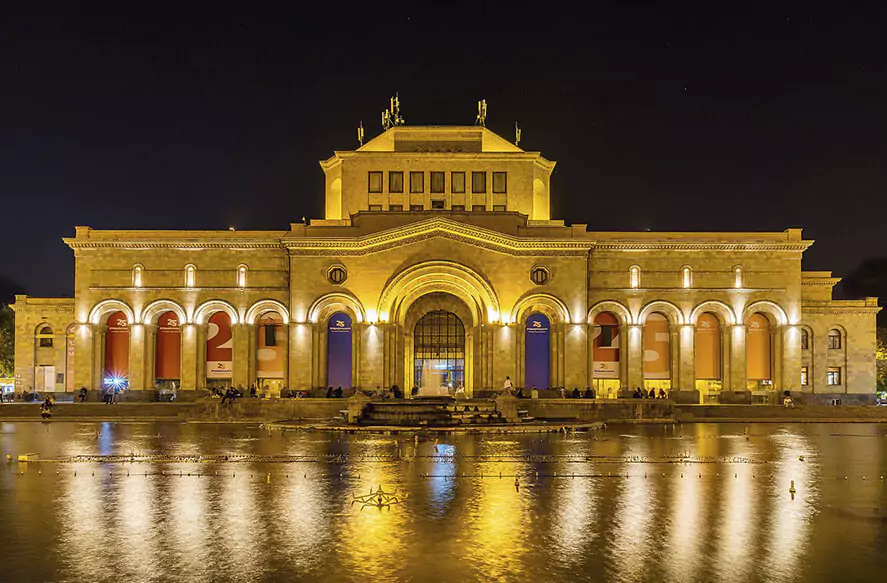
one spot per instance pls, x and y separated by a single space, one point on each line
640 393
112 396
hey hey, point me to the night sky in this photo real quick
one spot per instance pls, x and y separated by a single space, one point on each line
687 118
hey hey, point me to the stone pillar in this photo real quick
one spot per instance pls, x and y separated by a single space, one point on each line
189 359
84 352
301 366
151 356
469 362
99 356
674 356
738 369
136 357
687 358
726 357
575 356
635 365
200 343
251 361
240 376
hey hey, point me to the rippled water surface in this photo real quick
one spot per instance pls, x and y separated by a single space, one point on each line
615 505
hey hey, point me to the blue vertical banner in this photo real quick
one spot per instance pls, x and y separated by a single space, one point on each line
537 352
338 351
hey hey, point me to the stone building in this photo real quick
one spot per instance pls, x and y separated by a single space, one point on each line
437 266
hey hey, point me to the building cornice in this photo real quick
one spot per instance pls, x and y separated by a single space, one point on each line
700 246
183 244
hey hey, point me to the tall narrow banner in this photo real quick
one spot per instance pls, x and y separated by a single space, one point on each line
537 352
758 348
116 350
708 347
168 353
219 347
270 355
657 347
338 351
605 346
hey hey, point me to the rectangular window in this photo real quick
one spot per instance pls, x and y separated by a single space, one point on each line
396 207
500 182
417 207
479 182
374 182
498 208
804 377
457 180
395 182
805 340
437 182
834 341
478 208
417 182
834 375
458 208
438 204
375 207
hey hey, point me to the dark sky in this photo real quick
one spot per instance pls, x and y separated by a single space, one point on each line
686 118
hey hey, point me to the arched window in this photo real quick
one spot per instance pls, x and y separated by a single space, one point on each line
737 276
190 275
758 352
44 337
834 339
634 276
805 339
241 275
137 270
686 276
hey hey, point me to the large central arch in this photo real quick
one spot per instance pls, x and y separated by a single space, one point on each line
439 276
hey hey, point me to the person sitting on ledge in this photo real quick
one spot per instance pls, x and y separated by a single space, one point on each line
395 392
589 394
520 393
662 394
83 393
638 394
414 391
576 394
338 392
329 392
534 392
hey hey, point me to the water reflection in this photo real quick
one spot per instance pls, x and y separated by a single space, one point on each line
717 519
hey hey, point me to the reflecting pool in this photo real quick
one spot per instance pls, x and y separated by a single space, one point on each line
228 502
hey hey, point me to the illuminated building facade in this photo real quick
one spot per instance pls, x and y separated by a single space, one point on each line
437 265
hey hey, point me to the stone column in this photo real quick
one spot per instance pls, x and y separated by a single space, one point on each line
687 358
151 356
200 342
189 358
624 332
252 342
738 368
674 356
302 367
575 356
98 372
592 332
240 376
635 356
726 357
84 353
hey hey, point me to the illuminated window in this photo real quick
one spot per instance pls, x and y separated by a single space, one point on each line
395 207
478 208
478 182
44 337
437 182
498 208
241 275
834 339
374 182
190 275
634 276
805 340
375 207
395 182
137 275
437 204
417 182
457 182
500 182
458 207
804 378
686 276
417 207
737 276
834 376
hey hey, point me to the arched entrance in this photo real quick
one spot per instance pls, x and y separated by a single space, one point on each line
439 353
759 356
270 353
537 351
168 352
605 350
116 370
339 362
708 359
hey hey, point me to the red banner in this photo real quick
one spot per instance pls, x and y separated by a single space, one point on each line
169 347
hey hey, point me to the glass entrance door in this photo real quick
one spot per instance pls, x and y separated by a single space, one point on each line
439 352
